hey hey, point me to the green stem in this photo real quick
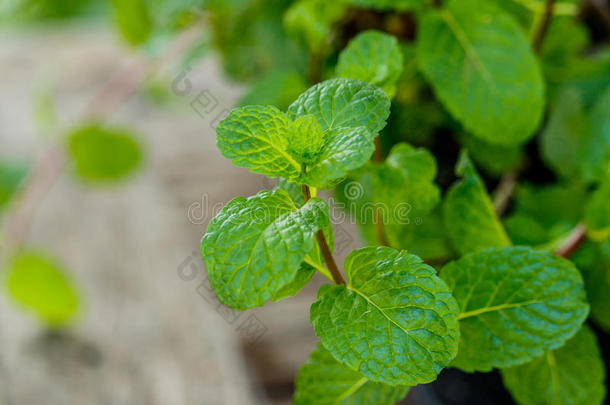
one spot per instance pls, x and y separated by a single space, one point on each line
324 249
541 24
320 268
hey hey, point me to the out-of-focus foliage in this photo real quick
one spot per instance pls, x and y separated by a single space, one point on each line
103 154
529 104
372 57
472 223
276 88
597 213
398 5
545 214
251 38
310 22
576 142
133 20
11 177
494 159
572 374
12 11
38 283
563 45
593 260
483 70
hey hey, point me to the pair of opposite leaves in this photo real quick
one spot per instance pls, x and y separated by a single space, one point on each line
396 322
327 132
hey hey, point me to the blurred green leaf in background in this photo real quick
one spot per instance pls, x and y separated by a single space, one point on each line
38 283
103 154
11 177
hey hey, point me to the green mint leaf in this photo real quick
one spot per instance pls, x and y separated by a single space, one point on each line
133 20
325 381
493 159
294 190
407 177
311 21
564 41
593 260
101 154
597 213
251 38
596 148
395 321
11 177
254 247
372 57
257 137
341 102
327 133
482 68
425 237
470 219
39 283
313 260
564 134
572 374
390 5
516 303
576 143
306 139
346 149
301 278
403 189
590 74
276 88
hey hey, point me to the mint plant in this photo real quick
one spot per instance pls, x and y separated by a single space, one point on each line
393 322
386 96
452 276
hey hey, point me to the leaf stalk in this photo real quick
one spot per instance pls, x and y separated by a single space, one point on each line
324 249
541 25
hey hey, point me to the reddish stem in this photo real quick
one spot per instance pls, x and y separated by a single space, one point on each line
324 249
574 241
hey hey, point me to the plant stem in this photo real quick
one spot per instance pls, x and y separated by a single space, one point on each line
315 68
504 192
324 249
379 225
378 156
306 192
573 241
541 27
323 270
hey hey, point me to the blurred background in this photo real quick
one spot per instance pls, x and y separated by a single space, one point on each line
109 173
